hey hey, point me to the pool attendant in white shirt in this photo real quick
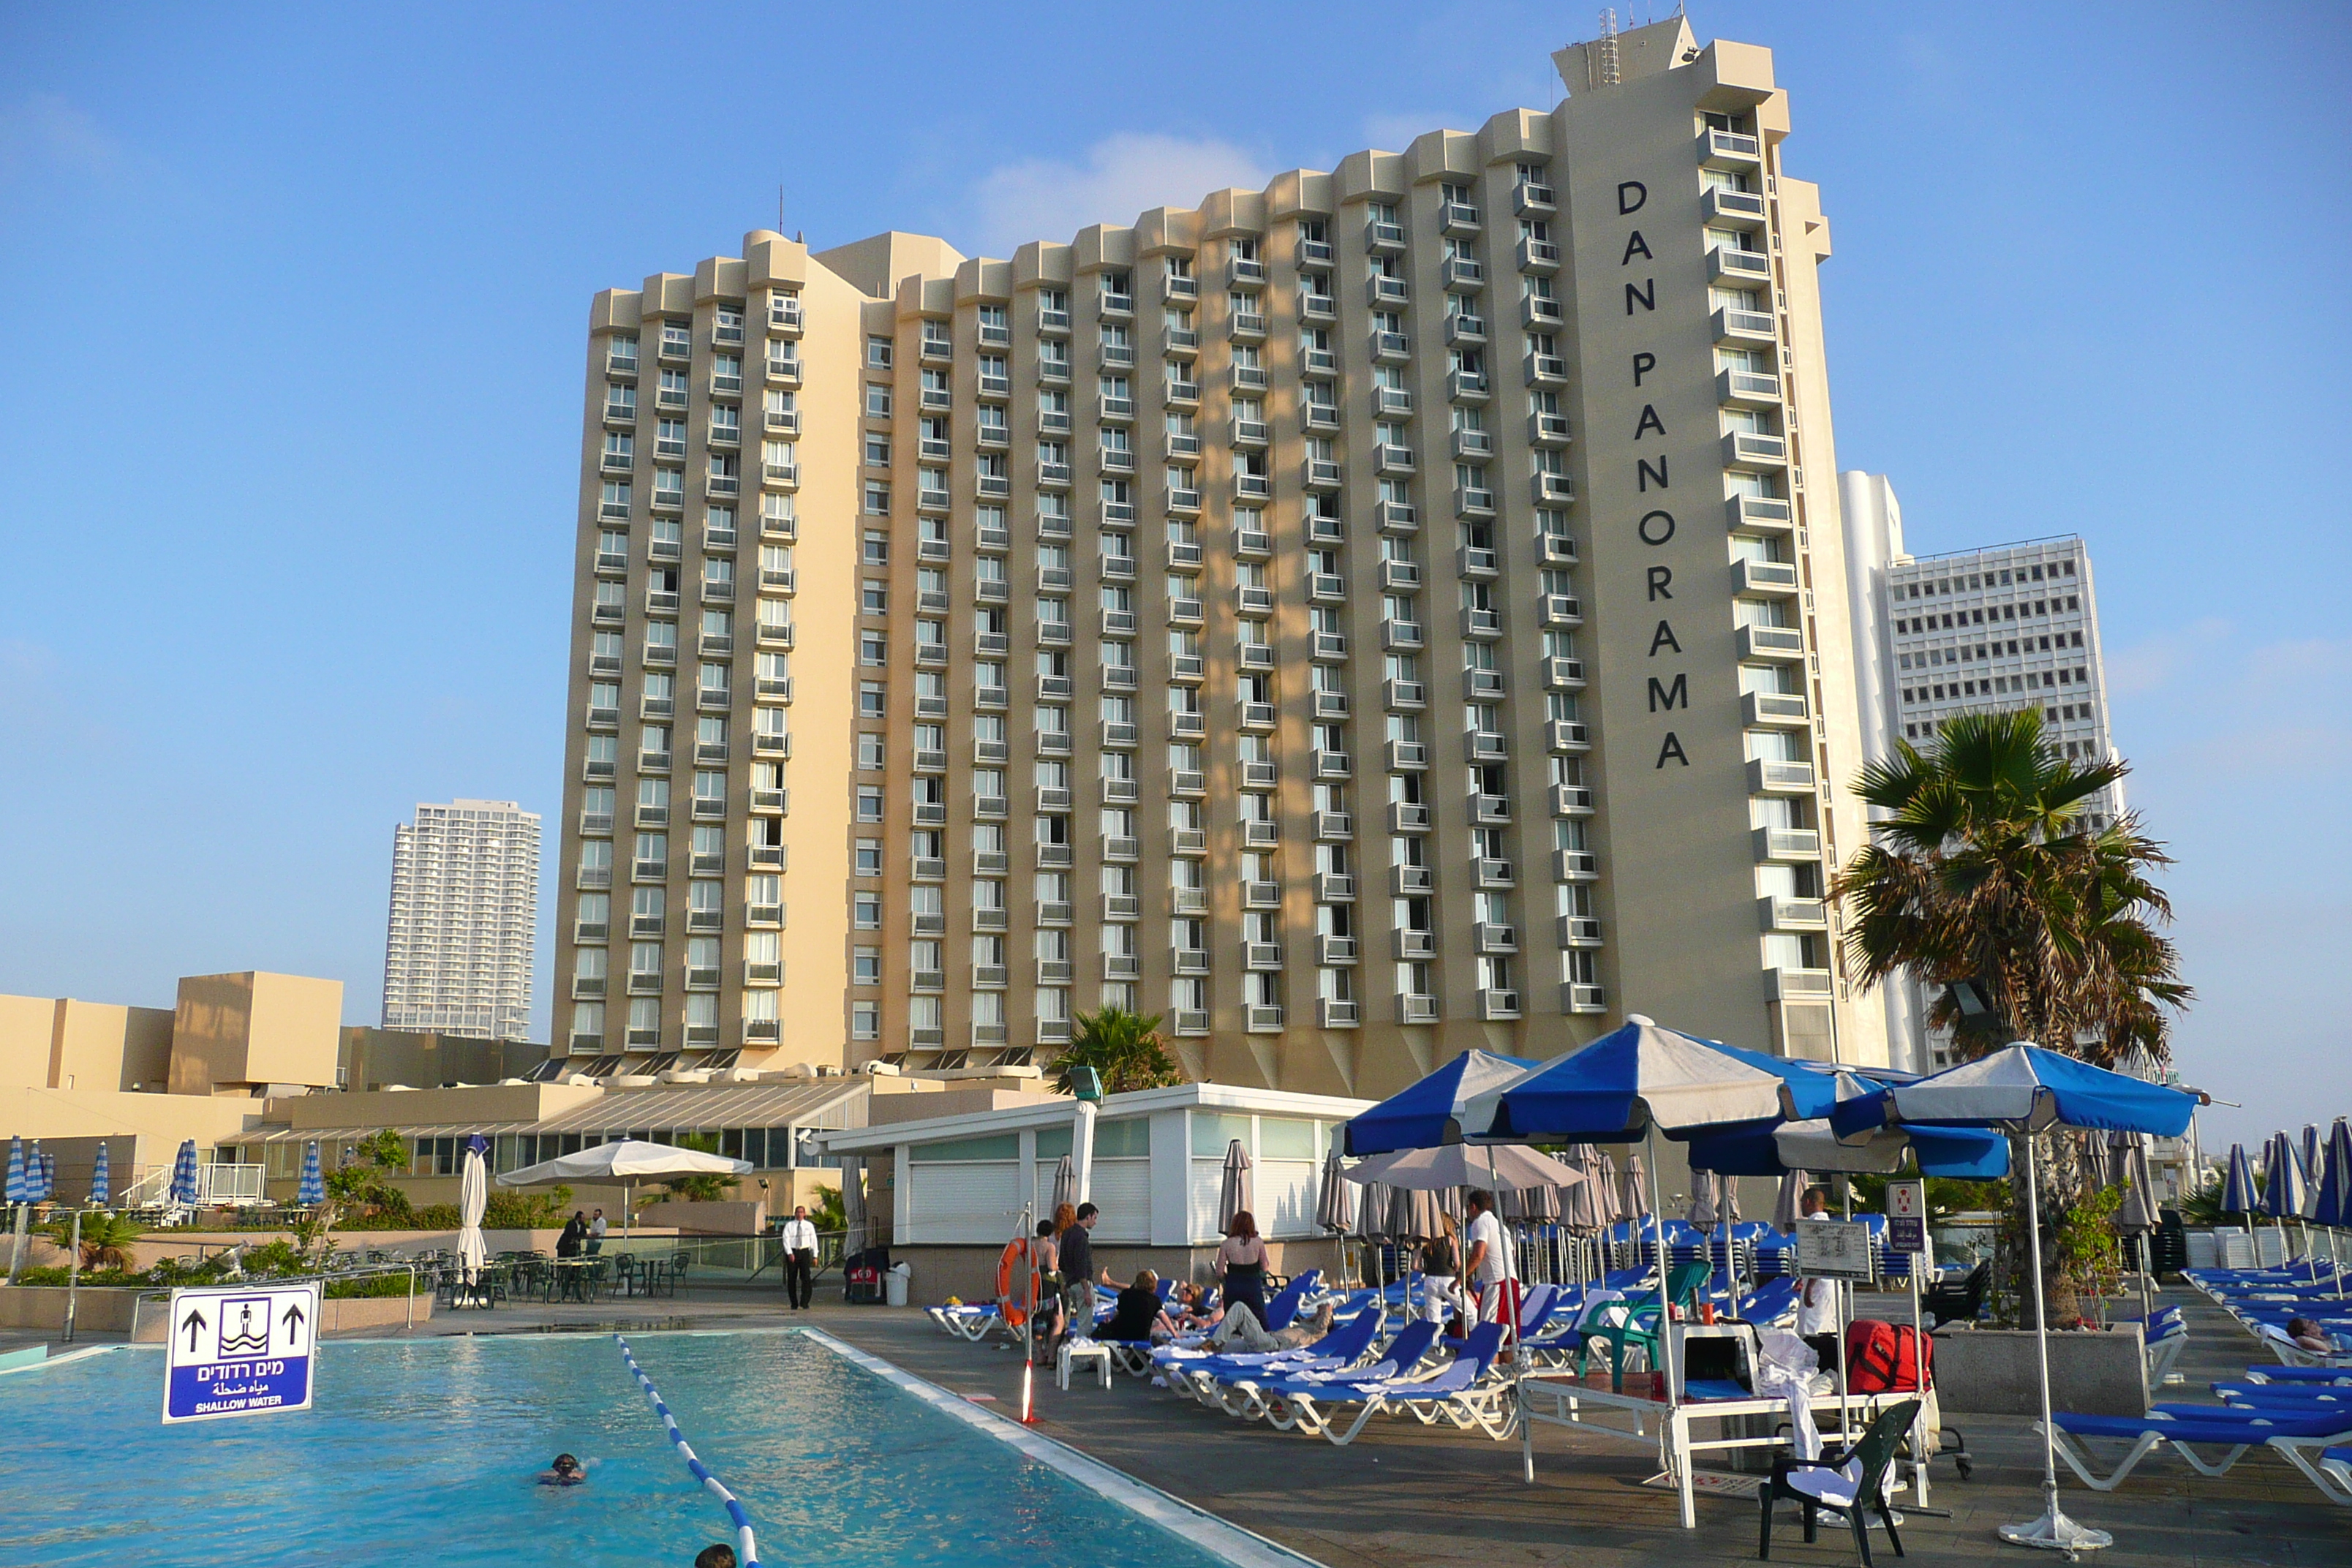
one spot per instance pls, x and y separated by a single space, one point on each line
799 1237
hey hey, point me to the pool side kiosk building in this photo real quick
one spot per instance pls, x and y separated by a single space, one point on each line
955 1188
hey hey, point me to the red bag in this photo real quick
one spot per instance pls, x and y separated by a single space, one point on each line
1885 1358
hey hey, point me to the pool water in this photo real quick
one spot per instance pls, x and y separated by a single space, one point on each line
427 1453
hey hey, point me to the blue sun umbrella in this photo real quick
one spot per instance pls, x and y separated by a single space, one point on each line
313 1190
2333 1208
2313 1150
19 1190
37 1186
2283 1188
1427 1115
48 1168
2023 1088
2238 1187
101 1188
184 1174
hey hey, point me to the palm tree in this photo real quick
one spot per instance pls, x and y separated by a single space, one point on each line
1985 883
1124 1048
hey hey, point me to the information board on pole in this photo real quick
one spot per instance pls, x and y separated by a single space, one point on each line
1834 1249
1906 1217
240 1350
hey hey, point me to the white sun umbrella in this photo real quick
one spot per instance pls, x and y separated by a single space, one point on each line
1066 1186
1790 1203
473 1196
627 1161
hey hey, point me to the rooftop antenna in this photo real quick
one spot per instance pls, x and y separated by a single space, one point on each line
780 209
1608 76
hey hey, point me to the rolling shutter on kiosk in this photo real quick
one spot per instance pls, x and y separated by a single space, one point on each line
1122 1190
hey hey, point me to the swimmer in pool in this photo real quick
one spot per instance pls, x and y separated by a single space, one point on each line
565 1471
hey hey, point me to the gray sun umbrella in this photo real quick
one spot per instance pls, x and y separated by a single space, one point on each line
1332 1204
853 1205
1581 1211
1233 1186
1611 1196
1790 1203
2136 1216
1705 1184
1065 1187
1372 1213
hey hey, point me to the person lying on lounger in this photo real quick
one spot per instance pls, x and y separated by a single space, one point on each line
2308 1335
1187 1313
1242 1324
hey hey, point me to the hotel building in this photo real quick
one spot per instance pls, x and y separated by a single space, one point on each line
1375 616
1974 631
465 921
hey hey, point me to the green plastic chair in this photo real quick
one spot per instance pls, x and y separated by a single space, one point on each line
1826 1483
1640 1325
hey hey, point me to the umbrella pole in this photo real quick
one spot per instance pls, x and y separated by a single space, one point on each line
1665 1306
2053 1531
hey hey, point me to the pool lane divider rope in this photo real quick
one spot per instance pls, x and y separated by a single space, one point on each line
747 1552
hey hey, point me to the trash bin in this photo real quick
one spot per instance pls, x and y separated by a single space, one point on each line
894 1284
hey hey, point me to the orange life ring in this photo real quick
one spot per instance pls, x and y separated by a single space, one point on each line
1017 1250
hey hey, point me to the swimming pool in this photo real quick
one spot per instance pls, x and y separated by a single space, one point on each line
425 1452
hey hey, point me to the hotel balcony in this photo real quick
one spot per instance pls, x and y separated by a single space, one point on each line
1786 845
1792 914
1768 777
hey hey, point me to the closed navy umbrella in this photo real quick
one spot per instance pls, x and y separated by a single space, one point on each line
101 1186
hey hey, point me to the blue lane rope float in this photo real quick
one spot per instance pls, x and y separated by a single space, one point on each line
747 1551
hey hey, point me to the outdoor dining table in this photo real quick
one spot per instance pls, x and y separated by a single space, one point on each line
572 1278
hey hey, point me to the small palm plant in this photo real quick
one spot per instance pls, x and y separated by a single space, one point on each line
1124 1048
106 1238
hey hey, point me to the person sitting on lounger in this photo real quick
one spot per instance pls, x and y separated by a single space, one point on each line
566 1471
2308 1335
1138 1312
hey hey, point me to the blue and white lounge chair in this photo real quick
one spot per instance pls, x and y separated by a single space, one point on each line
1229 1382
969 1322
1243 1393
2236 1431
1458 1392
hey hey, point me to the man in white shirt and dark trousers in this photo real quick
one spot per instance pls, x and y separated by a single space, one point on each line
799 1238
1487 1264
1817 1304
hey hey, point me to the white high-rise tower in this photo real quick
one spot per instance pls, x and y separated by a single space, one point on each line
465 916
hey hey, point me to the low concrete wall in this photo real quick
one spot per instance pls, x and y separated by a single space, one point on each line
970 1272
2092 1372
112 1311
704 1219
157 1246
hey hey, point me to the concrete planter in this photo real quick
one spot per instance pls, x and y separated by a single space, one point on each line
112 1310
2092 1372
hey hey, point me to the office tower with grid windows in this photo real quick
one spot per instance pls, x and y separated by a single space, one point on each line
1356 620
1973 631
464 929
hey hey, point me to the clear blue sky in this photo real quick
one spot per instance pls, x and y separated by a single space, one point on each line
288 423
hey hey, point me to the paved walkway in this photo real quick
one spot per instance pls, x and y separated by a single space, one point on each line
1404 1494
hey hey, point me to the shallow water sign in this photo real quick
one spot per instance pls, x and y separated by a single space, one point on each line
240 1350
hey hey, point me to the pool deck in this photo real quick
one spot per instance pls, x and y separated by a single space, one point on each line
1404 1494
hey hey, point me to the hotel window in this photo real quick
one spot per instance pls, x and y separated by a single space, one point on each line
866 1021
866 911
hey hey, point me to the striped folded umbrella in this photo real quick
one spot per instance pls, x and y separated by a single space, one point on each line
19 1190
101 1188
313 1191
2238 1187
2283 1184
48 1168
2313 1151
184 1174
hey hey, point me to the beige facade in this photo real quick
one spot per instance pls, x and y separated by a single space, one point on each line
1356 620
64 1043
235 1033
